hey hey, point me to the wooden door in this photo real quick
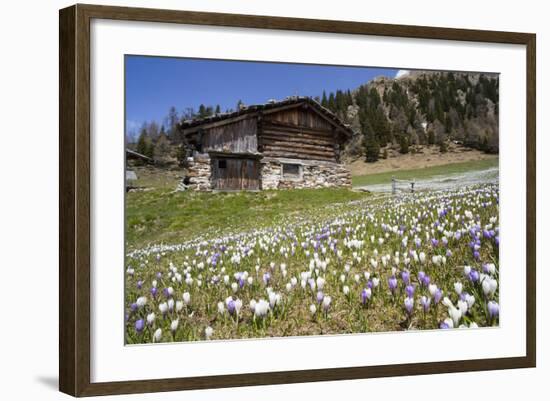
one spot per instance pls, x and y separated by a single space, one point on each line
234 174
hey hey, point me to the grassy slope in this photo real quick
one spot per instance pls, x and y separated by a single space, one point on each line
160 215
423 173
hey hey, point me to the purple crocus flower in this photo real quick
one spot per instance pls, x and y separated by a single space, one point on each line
154 291
476 255
159 275
369 284
392 283
474 276
406 276
140 325
409 290
266 278
139 284
425 281
444 325
417 242
458 235
497 240
320 296
421 276
438 295
448 253
435 242
133 307
425 302
231 307
493 309
444 241
365 295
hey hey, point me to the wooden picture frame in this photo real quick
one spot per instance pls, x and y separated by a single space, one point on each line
74 199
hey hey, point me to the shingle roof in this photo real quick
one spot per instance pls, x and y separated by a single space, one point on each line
268 106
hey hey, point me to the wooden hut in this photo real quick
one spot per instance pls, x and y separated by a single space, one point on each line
295 143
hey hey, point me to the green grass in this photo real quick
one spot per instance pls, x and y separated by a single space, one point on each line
160 215
424 173
286 252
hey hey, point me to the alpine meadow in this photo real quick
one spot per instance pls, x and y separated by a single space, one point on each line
274 200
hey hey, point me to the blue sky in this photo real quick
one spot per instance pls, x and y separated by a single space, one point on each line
153 84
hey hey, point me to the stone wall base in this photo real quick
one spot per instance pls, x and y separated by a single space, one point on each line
313 174
199 173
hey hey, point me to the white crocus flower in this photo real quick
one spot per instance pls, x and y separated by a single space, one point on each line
221 308
163 307
422 257
463 306
186 298
489 286
238 305
470 299
458 287
179 306
346 290
208 331
141 301
151 318
157 335
174 325
491 268
261 308
320 282
312 309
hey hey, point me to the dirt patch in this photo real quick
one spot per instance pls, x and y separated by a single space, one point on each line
423 157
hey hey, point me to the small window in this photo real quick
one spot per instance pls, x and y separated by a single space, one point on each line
291 170
222 163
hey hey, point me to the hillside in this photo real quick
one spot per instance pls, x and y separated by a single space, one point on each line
419 108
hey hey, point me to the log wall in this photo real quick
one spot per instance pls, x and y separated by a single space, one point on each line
298 133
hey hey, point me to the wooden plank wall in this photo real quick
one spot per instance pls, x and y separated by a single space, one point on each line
237 137
297 134
238 174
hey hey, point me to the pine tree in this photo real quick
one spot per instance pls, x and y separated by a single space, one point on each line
431 137
145 144
324 101
142 145
172 121
331 102
202 111
403 144
372 149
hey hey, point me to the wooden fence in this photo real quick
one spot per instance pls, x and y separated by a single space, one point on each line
402 185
